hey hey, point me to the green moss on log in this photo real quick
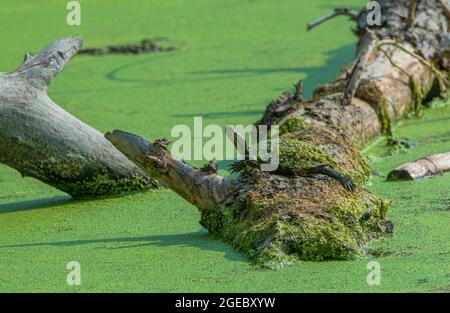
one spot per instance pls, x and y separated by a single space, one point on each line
297 156
276 219
102 185
71 172
293 124
275 226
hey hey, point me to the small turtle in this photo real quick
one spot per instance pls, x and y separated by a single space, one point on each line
301 158
210 167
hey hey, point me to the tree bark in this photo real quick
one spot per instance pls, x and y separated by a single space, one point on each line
204 190
41 140
276 218
427 167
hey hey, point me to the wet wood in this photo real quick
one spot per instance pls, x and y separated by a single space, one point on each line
41 140
427 167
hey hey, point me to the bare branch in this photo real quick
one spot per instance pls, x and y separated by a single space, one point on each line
337 12
444 82
412 13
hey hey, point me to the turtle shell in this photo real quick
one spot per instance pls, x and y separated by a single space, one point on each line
298 156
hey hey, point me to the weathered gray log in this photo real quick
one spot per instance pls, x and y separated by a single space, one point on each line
276 218
201 189
41 140
427 167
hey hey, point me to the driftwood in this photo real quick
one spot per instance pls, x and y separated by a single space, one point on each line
43 141
427 167
276 218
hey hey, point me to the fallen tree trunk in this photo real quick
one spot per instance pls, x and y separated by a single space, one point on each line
43 141
276 218
272 217
427 167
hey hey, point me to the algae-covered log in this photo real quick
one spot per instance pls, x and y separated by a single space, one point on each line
276 218
43 141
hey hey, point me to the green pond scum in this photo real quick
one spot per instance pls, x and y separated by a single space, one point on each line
152 241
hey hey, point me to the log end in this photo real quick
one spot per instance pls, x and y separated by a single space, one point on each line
400 174
132 146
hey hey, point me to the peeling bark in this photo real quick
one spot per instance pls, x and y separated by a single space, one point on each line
427 167
41 140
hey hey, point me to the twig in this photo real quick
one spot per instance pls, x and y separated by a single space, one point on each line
443 81
415 95
424 62
412 13
386 54
338 11
298 96
445 8
358 68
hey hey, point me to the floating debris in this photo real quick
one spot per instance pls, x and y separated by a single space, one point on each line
145 46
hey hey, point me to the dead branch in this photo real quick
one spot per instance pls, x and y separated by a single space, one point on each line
412 13
41 140
202 189
337 12
424 62
301 211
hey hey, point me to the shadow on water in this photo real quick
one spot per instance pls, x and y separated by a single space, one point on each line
332 7
201 240
314 76
34 204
